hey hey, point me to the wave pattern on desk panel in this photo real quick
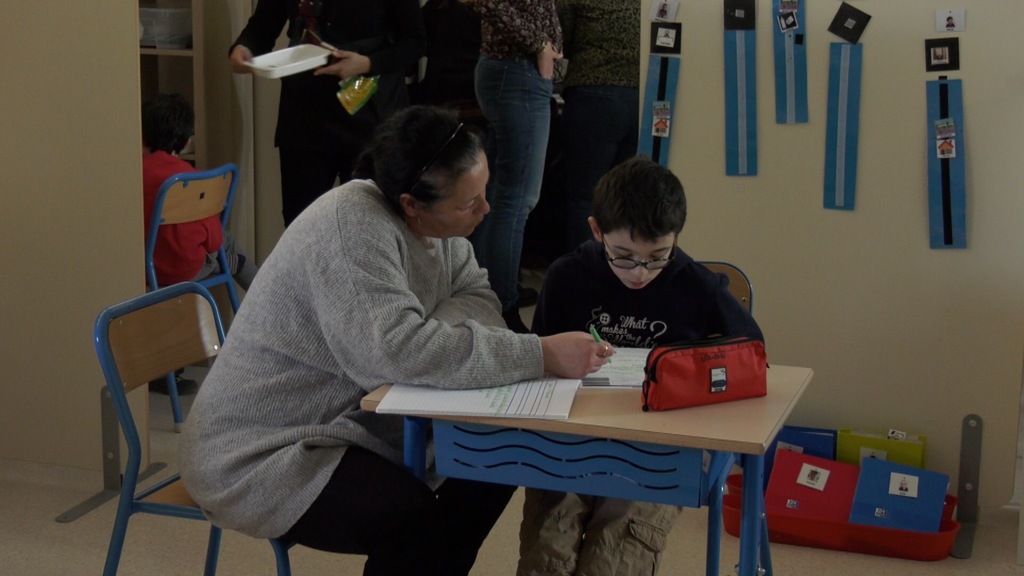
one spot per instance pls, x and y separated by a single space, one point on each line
556 461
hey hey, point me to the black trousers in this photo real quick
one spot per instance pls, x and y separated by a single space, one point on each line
306 174
373 507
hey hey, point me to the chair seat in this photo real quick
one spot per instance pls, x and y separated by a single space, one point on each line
173 493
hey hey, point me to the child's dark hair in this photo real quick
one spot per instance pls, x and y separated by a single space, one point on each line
167 123
641 196
420 150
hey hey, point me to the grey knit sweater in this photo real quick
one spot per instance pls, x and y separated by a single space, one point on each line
348 300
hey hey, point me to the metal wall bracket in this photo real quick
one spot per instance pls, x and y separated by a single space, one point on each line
967 489
111 441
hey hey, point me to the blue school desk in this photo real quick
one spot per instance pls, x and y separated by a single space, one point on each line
609 447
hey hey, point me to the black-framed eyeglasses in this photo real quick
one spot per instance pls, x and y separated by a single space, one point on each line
627 263
433 159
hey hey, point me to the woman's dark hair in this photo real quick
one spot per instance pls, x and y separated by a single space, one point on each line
420 150
167 123
641 196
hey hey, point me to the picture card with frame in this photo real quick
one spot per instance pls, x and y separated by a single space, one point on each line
849 23
739 14
942 54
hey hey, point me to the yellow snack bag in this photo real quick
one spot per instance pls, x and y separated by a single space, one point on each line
356 91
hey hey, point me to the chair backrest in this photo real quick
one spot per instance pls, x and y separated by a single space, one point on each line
187 197
149 336
192 196
739 283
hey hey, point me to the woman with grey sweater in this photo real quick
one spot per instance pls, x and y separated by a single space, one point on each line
373 283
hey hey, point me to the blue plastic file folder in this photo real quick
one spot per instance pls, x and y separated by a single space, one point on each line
899 496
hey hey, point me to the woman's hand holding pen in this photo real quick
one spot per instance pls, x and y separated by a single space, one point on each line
574 354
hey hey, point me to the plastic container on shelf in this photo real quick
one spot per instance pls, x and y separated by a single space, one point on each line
165 25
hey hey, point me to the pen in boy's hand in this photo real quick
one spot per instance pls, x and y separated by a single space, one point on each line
597 338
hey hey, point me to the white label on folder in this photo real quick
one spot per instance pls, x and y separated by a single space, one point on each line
866 452
903 485
813 477
787 446
895 434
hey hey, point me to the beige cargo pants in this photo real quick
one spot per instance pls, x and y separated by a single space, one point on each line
566 534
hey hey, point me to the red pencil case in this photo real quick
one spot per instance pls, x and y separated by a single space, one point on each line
708 371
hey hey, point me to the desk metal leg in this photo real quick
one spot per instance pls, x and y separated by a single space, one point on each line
714 551
766 554
752 518
416 445
718 471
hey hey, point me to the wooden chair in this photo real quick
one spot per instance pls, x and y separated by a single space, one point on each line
189 197
739 283
139 340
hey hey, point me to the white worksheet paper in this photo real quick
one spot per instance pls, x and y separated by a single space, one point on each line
625 369
547 397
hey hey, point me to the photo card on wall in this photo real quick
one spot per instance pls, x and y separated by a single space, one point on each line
666 37
849 23
739 14
942 54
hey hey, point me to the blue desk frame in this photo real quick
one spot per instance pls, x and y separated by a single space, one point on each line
734 432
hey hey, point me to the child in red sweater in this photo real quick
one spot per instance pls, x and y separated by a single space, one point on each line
185 251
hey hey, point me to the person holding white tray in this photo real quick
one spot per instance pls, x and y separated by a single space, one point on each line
318 141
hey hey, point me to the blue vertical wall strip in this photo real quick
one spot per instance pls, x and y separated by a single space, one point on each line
790 68
740 103
947 196
662 79
841 135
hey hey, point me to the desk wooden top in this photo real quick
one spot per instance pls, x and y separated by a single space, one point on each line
744 426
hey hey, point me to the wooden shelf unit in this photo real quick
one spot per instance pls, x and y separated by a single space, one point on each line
168 70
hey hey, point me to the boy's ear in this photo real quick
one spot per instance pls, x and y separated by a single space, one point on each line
594 229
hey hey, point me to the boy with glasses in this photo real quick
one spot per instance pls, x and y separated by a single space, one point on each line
636 289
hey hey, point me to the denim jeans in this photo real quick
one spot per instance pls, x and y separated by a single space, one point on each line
516 101
599 130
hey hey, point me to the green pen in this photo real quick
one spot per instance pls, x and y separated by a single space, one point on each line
597 338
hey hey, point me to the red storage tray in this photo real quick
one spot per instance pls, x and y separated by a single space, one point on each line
873 540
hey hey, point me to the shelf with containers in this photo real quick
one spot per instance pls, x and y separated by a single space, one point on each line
171 60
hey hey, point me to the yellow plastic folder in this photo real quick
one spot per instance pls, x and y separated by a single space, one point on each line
852 446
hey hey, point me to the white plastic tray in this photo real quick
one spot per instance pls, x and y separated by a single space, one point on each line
289 61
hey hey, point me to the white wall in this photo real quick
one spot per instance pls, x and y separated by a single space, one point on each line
71 222
899 335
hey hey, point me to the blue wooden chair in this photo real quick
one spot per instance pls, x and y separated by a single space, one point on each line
739 283
741 288
137 341
188 197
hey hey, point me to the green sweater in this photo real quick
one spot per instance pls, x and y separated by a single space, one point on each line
602 42
348 300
